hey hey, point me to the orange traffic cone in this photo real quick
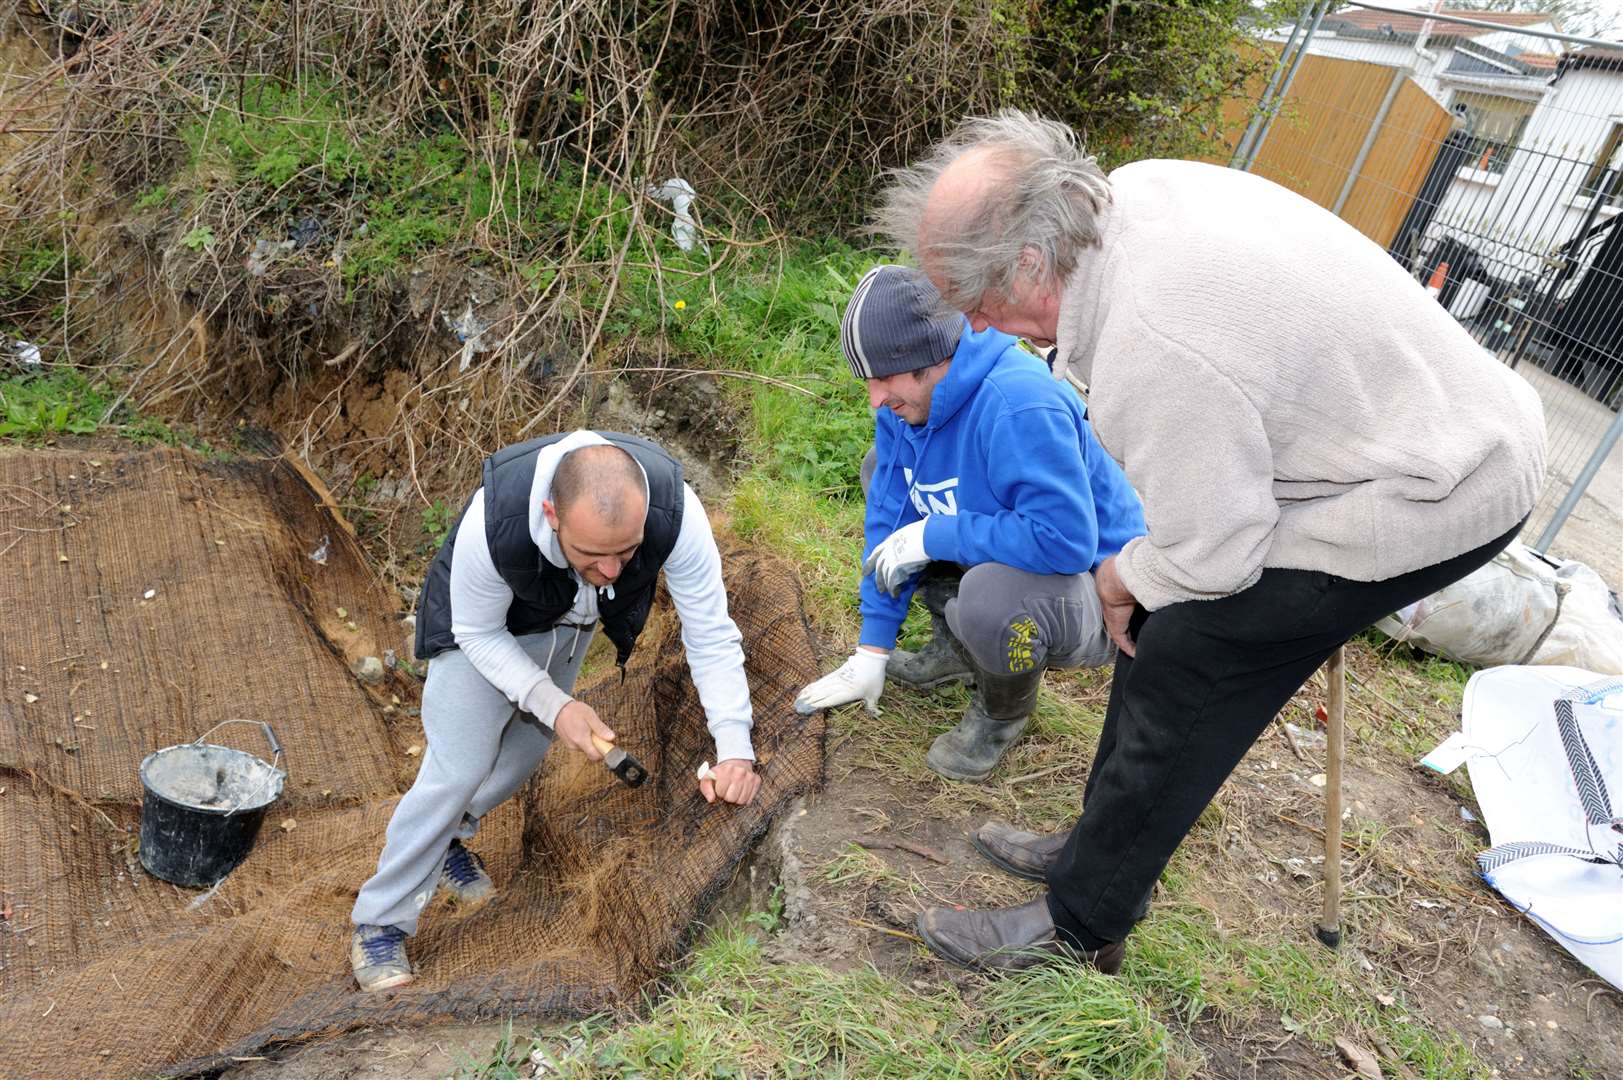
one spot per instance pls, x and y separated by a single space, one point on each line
1438 276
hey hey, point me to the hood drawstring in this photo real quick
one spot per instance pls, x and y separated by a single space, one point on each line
918 458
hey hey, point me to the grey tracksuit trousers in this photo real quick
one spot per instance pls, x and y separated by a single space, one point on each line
480 751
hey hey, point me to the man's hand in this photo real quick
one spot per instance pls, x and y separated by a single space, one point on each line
1115 603
735 781
576 723
896 558
861 678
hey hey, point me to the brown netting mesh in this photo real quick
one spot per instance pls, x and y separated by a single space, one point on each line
106 970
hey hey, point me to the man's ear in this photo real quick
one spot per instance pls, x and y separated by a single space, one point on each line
1031 264
551 513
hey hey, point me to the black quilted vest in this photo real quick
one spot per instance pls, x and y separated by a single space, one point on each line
543 593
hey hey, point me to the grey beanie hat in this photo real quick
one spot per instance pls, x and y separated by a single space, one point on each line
896 322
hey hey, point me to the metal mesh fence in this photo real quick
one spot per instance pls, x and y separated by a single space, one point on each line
1484 151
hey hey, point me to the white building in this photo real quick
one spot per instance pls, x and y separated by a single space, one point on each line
1537 170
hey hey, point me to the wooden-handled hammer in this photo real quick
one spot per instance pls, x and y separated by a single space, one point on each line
620 763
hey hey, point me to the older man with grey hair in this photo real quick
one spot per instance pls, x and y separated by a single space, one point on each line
1316 441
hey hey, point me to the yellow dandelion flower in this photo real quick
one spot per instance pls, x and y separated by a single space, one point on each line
681 305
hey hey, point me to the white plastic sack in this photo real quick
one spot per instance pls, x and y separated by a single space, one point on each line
1546 760
1521 608
679 193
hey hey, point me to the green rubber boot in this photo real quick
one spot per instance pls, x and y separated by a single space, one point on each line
997 716
940 662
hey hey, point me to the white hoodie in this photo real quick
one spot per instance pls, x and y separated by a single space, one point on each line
480 600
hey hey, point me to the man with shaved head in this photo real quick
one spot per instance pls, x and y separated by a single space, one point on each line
1316 441
566 532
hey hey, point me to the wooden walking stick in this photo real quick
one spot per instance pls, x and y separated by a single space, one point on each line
1329 928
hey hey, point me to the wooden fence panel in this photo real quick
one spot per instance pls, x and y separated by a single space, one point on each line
1396 167
1315 140
1318 131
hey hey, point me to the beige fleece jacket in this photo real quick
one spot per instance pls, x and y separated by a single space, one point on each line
1282 394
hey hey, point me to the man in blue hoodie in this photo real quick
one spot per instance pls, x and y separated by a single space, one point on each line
987 495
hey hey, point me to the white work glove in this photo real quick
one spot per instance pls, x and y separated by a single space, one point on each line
860 678
896 558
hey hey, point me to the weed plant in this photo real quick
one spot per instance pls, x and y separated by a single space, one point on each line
55 402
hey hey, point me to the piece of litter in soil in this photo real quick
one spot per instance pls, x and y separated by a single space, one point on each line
1306 737
369 669
289 824
319 555
149 594
61 558
1360 1059
1466 815
1318 779
1428 904
104 665
30 698
342 613
26 353
351 625
413 750
1386 999
1447 755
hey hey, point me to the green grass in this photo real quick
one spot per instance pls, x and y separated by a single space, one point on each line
302 154
822 537
55 402
777 315
1183 966
60 401
732 1013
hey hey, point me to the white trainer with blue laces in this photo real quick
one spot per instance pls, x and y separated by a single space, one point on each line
378 955
465 878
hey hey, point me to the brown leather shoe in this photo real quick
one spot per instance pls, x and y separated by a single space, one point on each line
1008 939
1015 851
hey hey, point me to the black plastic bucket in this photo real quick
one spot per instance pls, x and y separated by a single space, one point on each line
203 806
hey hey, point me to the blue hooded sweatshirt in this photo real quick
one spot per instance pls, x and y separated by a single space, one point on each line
1006 470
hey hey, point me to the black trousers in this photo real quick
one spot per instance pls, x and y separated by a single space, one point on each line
1207 678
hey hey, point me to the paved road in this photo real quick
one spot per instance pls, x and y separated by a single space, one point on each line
1576 422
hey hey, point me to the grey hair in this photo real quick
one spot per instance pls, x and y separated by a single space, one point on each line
1044 198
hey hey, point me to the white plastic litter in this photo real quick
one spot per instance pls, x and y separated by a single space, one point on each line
26 353
1521 608
469 329
1448 755
1545 757
679 193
